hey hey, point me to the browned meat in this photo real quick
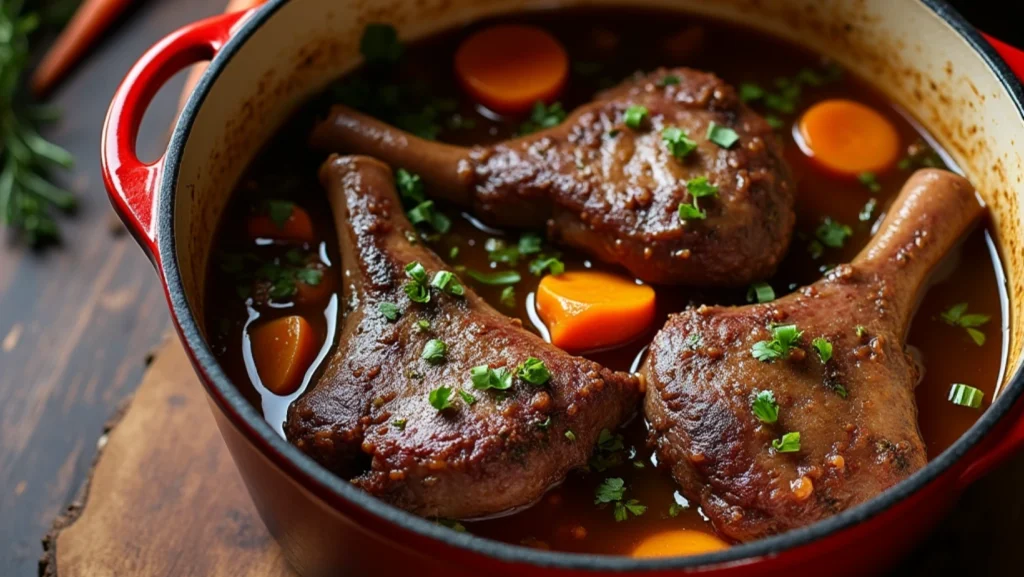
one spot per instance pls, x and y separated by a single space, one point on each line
369 418
855 413
614 191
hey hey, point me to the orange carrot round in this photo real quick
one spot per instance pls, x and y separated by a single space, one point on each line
678 543
296 226
848 137
508 68
314 294
282 350
589 310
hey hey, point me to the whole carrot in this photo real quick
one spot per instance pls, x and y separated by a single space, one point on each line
91 19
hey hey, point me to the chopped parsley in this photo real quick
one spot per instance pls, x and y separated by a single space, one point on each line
761 292
534 371
957 316
609 452
870 181
920 155
966 396
543 116
750 92
823 347
789 443
570 435
453 253
529 243
498 252
833 234
440 398
722 135
774 121
868 211
698 188
445 281
784 339
399 424
675 509
765 408
410 187
423 325
435 351
279 211
467 398
505 277
390 311
416 289
425 213
678 142
380 45
860 331
484 378
635 116
543 263
668 80
613 490
508 296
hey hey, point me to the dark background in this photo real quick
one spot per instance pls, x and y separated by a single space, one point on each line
76 325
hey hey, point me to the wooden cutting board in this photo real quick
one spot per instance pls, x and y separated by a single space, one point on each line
164 499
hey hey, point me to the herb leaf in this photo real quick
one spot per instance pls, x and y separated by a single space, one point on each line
761 292
957 316
533 371
765 408
823 347
610 490
547 263
280 211
508 296
435 351
440 398
484 378
784 339
425 213
678 142
410 186
870 181
833 234
495 278
722 135
635 116
467 398
543 116
380 45
789 443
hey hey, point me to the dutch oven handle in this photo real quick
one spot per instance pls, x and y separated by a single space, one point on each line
132 183
1011 439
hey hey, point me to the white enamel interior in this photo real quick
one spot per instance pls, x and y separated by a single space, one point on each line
903 46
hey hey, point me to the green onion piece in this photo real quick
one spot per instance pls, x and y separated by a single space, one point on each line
416 272
823 347
966 396
547 263
570 435
496 277
399 424
722 135
789 443
434 351
634 116
678 142
765 408
761 292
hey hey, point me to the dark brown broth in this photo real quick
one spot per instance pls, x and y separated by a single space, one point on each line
566 519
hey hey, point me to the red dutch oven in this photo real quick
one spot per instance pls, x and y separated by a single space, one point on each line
265 62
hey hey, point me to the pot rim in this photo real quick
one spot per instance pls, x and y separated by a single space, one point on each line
327 486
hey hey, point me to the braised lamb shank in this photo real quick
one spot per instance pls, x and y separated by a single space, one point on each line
853 405
615 191
372 417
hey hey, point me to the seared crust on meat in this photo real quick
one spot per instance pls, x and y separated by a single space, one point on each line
369 418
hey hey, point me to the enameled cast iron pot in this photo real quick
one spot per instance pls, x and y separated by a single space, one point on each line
922 54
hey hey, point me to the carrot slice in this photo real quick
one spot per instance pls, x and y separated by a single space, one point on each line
678 543
310 294
282 350
848 137
589 310
508 68
293 226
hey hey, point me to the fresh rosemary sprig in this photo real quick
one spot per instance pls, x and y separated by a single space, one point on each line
27 196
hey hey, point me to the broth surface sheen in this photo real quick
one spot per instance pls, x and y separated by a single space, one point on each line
605 46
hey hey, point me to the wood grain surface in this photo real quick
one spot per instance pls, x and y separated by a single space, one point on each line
77 323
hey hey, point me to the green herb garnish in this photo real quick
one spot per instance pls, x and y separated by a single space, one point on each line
380 45
675 509
416 289
570 435
543 116
789 443
435 351
440 398
750 92
500 277
529 243
467 398
824 349
280 211
610 490
761 292
722 135
425 213
609 452
399 424
698 187
966 396
410 187
678 142
423 325
447 282
765 408
668 80
635 116
784 339
956 316
631 506
833 234
870 181
484 378
547 263
533 371
868 211
508 296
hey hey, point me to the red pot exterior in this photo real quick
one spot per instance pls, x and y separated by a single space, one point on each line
325 534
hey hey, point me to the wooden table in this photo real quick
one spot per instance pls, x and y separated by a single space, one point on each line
76 325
